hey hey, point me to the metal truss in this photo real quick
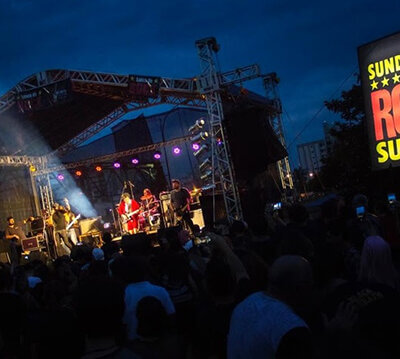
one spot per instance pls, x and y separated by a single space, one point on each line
222 167
20 160
239 75
270 82
202 91
112 156
46 192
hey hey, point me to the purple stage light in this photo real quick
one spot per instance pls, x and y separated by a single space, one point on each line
117 165
60 177
176 151
157 155
195 146
135 161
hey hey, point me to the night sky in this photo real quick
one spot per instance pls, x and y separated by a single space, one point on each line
312 47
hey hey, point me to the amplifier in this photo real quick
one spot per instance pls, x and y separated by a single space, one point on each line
32 243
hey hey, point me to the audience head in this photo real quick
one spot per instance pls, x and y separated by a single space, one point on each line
100 307
359 200
152 318
98 254
290 279
219 279
298 214
130 269
107 237
376 265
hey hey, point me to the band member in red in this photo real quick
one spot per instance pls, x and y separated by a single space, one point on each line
129 211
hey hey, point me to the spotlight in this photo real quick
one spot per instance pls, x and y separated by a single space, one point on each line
135 161
195 146
99 168
219 141
157 155
32 168
311 174
200 136
206 163
206 175
202 149
176 151
117 165
78 173
198 125
60 177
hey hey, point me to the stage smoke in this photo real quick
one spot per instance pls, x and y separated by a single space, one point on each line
18 137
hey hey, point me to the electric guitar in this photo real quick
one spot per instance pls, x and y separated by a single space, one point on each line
73 221
126 217
179 212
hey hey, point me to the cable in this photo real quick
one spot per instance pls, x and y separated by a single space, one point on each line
320 109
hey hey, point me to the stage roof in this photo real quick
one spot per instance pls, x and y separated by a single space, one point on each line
61 109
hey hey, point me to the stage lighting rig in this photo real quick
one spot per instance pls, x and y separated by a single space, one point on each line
198 125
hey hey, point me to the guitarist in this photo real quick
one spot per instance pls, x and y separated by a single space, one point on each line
129 209
180 201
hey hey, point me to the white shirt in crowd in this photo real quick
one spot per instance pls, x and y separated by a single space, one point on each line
134 292
258 325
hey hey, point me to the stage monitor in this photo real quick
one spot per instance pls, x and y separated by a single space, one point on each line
379 63
90 224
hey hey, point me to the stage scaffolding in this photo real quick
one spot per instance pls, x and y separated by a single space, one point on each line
133 92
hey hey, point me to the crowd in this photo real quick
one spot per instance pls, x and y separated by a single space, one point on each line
324 285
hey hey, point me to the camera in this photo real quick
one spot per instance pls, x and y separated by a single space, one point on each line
360 211
277 206
391 198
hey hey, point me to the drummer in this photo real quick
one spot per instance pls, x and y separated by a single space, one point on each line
149 202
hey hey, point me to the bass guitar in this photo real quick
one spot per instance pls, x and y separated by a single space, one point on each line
126 217
179 212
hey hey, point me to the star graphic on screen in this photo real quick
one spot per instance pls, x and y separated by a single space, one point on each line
385 82
396 78
374 85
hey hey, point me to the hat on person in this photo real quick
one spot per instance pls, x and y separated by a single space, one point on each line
98 254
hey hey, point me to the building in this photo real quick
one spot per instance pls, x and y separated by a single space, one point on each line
311 155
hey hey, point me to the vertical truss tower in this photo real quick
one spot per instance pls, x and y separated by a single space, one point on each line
270 82
222 172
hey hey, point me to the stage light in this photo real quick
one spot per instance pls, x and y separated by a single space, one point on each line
219 141
176 151
157 155
195 146
117 165
107 225
32 168
311 174
207 187
78 173
135 161
205 164
99 168
198 125
202 136
201 150
60 177
206 175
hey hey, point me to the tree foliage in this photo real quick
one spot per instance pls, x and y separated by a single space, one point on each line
347 167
